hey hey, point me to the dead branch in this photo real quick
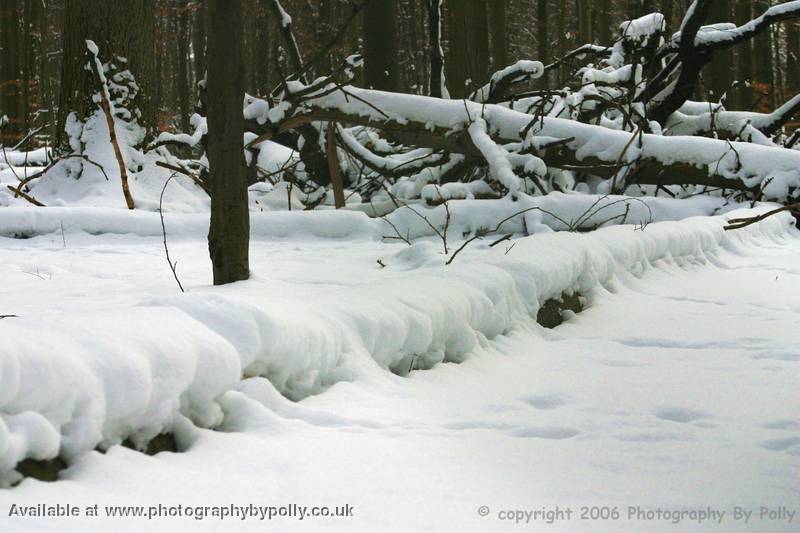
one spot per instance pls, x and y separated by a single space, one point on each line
334 167
191 175
105 104
738 223
18 193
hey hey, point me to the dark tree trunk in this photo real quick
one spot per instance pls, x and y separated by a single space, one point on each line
477 42
261 52
380 45
457 50
541 29
793 57
11 91
183 64
762 46
199 41
603 22
719 72
435 44
584 12
120 29
744 63
229 232
497 14
561 28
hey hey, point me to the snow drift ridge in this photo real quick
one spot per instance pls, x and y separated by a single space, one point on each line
95 379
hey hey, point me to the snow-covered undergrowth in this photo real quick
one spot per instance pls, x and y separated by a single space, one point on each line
97 371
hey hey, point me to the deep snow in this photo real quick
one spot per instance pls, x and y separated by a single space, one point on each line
675 388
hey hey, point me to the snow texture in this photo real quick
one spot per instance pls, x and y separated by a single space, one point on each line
108 367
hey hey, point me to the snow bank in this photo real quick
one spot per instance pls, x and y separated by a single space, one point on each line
467 215
88 380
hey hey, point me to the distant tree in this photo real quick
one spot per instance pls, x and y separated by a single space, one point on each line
745 67
437 82
542 24
603 22
499 30
11 90
478 42
457 50
120 29
182 86
719 72
199 40
584 21
793 55
380 45
229 232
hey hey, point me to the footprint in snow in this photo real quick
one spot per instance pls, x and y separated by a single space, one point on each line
679 414
549 432
788 444
789 425
546 401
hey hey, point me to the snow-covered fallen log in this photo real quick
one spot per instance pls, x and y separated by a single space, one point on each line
93 378
773 172
467 216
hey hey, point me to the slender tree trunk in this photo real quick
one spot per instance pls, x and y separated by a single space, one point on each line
325 29
541 30
11 92
120 29
603 22
762 47
793 56
499 28
719 72
29 55
744 63
262 42
380 45
584 10
561 27
457 52
477 42
436 85
183 64
229 231
199 41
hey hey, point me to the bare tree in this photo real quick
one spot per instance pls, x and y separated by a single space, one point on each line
229 232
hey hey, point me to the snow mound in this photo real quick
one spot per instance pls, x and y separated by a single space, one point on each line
90 380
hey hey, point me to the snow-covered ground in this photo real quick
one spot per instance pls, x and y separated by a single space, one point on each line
675 389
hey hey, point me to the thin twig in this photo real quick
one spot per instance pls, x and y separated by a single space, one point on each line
172 266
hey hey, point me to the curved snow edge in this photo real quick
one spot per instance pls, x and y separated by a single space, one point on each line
96 379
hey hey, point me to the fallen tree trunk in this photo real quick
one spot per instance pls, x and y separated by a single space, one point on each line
438 124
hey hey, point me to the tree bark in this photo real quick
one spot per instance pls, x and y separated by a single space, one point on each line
229 231
183 64
120 29
11 97
793 57
499 29
584 12
436 83
543 39
744 62
603 22
477 42
719 72
380 45
199 41
457 50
